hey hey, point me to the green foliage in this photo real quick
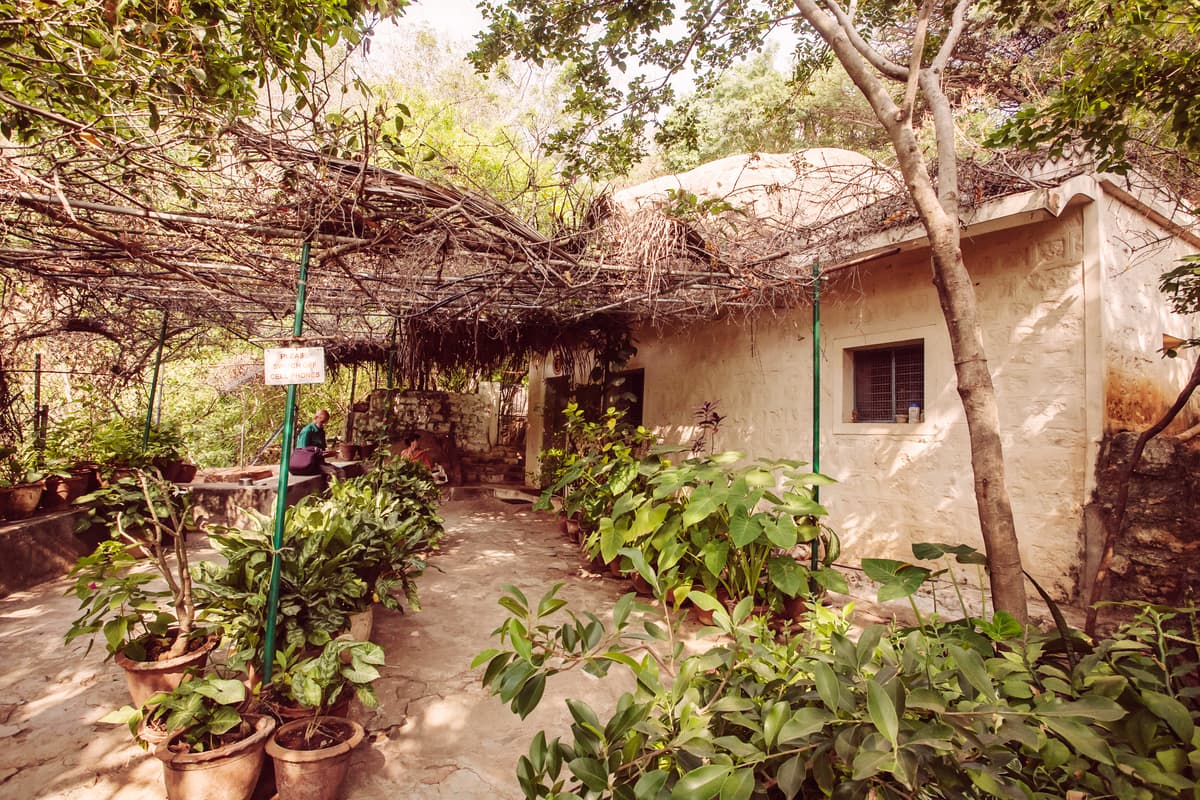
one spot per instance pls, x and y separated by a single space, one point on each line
339 553
205 708
149 515
896 714
319 681
1127 71
98 64
1182 284
115 599
756 108
600 462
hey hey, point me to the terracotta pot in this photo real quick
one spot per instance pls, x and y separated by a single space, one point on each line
794 608
23 500
640 584
185 473
347 451
361 624
61 492
146 678
313 774
229 772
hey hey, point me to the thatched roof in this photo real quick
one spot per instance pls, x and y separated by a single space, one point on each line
442 276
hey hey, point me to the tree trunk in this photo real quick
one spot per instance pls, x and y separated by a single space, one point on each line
939 212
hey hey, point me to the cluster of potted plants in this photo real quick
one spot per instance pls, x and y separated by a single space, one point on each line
77 456
709 523
218 721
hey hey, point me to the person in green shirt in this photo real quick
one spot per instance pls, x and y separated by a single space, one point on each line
313 434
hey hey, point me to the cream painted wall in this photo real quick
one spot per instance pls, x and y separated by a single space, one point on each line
1050 345
1140 383
907 483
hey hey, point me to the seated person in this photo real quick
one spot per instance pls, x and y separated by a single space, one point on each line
413 450
312 435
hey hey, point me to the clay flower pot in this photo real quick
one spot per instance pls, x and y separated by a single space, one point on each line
313 767
229 772
61 492
146 678
361 624
23 499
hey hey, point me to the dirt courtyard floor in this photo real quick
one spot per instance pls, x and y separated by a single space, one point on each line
436 734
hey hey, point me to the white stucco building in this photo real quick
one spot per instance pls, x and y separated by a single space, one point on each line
1066 271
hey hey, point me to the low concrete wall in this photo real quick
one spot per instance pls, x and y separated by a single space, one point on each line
39 549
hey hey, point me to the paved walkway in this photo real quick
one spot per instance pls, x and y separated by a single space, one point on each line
437 734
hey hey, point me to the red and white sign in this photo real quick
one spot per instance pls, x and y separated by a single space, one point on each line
288 365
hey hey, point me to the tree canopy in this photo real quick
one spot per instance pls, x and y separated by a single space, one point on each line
1127 71
98 64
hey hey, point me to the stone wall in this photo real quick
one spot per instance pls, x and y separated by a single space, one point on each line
464 423
1157 551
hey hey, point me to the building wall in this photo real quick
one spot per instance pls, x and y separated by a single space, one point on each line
906 483
1140 383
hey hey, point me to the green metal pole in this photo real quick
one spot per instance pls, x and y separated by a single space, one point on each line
285 453
162 337
391 355
816 392
39 430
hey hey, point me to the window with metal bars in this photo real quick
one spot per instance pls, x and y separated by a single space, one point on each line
887 380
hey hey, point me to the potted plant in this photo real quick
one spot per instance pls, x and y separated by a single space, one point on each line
312 754
210 749
154 644
21 484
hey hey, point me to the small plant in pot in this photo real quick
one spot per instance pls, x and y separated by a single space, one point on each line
151 632
312 754
212 749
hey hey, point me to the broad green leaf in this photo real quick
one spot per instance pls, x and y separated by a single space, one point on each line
987 780
971 665
868 763
804 722
1081 738
882 711
790 776
773 721
223 690
963 554
828 685
743 528
832 580
739 785
591 772
781 534
1089 708
1171 711
650 784
612 539
702 783
786 575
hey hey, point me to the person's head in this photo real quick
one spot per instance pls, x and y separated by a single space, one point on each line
411 438
321 418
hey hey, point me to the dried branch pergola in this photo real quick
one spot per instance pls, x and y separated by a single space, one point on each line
403 269
450 275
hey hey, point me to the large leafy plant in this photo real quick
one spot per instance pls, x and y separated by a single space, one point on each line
724 525
895 714
147 515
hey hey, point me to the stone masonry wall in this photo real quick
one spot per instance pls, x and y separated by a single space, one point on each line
1157 551
462 421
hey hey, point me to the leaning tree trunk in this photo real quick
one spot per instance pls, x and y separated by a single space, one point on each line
939 212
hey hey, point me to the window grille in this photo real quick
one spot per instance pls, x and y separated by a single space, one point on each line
887 380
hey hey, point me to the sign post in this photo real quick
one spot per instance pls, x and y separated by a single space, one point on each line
299 366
